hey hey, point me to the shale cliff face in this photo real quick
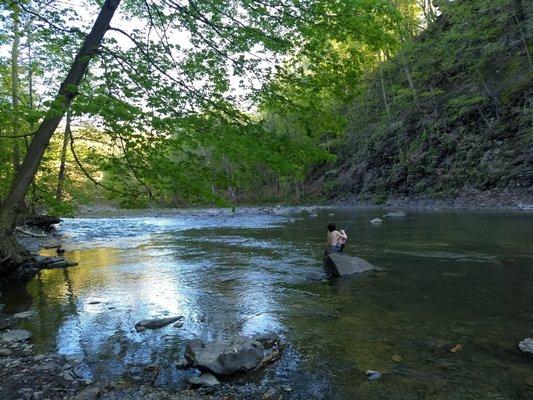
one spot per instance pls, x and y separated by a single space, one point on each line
449 115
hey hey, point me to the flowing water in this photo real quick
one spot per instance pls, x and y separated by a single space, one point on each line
449 278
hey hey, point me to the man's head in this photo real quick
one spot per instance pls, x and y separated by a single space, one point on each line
331 226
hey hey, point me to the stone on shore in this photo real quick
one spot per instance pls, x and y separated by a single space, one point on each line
340 264
526 345
25 314
205 379
16 335
5 352
395 214
376 221
155 323
226 357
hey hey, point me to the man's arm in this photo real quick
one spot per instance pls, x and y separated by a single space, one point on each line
343 234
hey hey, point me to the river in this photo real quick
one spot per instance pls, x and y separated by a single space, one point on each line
449 278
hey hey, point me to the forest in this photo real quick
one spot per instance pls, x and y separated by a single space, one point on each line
294 102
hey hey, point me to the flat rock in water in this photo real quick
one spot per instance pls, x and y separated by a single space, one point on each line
60 264
340 264
396 214
376 221
315 276
205 379
526 345
225 357
155 323
16 335
24 314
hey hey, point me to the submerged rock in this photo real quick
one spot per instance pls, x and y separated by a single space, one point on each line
340 264
526 345
395 214
16 335
155 323
205 379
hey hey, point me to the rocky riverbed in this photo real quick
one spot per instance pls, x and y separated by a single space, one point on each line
29 375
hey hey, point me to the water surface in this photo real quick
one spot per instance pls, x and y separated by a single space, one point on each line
450 278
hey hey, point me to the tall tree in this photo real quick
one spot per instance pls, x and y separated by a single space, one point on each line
10 251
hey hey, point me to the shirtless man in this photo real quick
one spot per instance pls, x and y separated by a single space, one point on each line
336 239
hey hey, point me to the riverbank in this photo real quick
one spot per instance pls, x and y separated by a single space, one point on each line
30 375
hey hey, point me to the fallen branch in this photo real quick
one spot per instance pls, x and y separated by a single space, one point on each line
25 232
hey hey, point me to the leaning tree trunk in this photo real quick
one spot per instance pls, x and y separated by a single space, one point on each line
11 252
15 52
62 166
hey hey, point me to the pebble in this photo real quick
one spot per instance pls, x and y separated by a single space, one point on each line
373 375
396 358
205 379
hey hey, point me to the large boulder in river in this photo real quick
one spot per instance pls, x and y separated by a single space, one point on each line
340 264
231 356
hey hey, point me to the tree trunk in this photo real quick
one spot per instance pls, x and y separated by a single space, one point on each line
15 87
27 170
383 90
61 176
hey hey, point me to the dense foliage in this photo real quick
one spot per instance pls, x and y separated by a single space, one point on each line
220 102
449 115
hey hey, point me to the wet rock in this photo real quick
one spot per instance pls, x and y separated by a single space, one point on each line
67 375
38 395
25 314
155 323
225 357
526 346
178 324
182 364
268 339
271 394
315 276
205 379
373 375
457 348
89 393
376 221
5 352
340 264
396 214
39 357
16 335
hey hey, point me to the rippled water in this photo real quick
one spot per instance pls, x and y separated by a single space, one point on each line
449 278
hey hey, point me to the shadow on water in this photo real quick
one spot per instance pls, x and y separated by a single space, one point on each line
450 278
